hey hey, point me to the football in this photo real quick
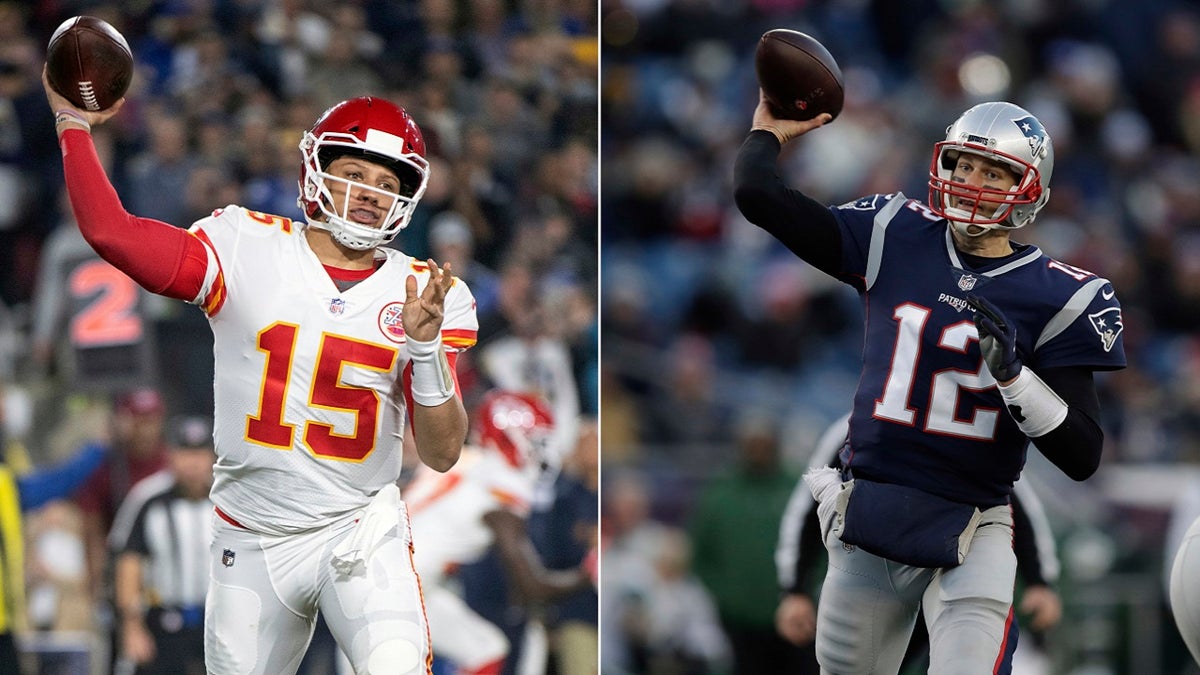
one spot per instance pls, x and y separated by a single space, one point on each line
89 63
798 75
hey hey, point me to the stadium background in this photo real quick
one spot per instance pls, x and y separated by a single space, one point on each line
709 327
504 90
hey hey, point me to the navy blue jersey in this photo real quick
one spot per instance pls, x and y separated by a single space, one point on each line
927 412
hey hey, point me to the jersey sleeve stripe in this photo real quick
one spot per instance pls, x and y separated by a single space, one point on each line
508 499
215 298
875 254
459 338
1066 316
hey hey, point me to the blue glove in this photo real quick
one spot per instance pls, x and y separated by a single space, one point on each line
997 340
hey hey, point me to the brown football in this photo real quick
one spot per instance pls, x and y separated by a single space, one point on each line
798 75
89 63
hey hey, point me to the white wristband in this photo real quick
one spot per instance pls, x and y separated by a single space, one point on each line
432 382
1037 409
61 116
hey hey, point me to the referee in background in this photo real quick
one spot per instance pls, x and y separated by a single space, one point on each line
160 540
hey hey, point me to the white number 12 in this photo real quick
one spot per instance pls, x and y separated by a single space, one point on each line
895 404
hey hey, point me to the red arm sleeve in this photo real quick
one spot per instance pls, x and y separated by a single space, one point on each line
161 258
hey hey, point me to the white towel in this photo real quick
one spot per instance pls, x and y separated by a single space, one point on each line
383 514
832 495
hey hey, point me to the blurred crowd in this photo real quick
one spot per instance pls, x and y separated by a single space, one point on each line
707 321
506 94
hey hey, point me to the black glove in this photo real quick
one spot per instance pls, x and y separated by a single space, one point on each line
997 339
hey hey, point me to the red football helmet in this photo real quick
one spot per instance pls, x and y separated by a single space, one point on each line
380 132
518 425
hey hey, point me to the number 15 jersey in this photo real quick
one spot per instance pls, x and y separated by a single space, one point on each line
312 385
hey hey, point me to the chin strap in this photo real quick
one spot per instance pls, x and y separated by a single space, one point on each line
341 237
965 226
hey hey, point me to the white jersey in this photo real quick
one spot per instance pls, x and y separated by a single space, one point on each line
312 385
446 509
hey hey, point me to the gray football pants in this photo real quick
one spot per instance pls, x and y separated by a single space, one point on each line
869 605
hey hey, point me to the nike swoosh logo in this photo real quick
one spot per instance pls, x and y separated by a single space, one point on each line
1107 295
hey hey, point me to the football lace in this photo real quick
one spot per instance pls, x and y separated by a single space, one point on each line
88 94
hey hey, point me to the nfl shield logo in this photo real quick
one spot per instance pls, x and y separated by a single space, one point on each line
337 306
227 558
967 281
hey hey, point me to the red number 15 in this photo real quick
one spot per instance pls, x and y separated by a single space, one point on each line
267 427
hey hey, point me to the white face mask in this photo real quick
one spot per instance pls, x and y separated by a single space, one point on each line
315 191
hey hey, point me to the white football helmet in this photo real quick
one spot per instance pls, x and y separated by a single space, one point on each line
1005 133
380 132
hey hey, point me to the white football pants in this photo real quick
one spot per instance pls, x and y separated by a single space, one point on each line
263 599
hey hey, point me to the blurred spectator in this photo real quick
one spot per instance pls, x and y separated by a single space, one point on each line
136 450
162 528
27 179
204 76
566 536
289 34
533 360
450 240
630 538
688 415
340 73
514 295
683 618
160 176
21 493
58 594
673 625
781 332
105 318
575 307
734 528
491 207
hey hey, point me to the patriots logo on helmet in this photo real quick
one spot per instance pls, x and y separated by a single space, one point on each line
1034 131
1108 325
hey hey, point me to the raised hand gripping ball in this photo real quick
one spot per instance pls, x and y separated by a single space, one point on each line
89 63
798 75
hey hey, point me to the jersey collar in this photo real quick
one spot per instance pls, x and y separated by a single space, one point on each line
1019 259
